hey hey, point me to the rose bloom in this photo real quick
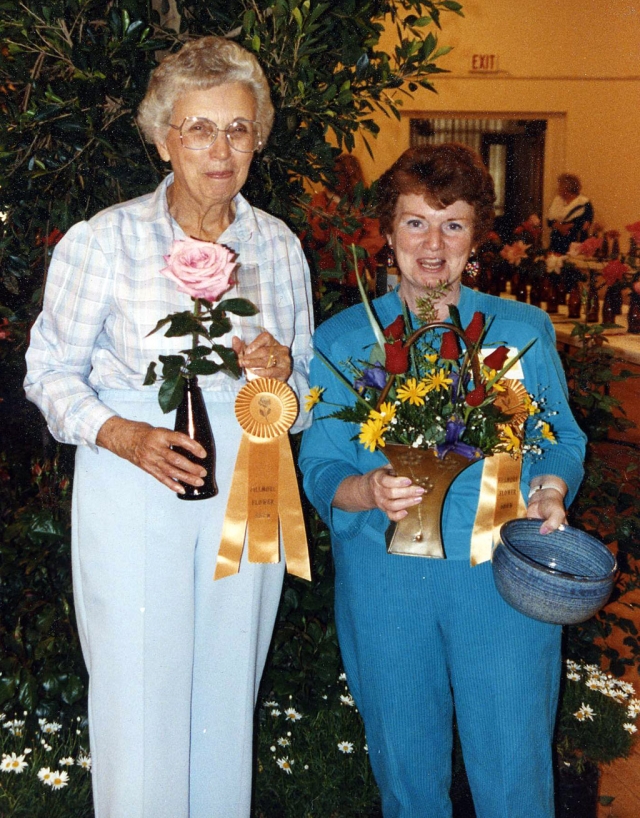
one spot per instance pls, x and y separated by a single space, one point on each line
514 253
201 269
590 245
634 229
614 271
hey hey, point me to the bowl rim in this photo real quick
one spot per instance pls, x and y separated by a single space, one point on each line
553 571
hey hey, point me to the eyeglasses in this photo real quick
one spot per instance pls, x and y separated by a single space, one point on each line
198 133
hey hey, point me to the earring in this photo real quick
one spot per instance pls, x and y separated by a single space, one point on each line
391 256
472 267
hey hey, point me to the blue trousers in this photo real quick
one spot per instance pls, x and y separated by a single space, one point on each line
420 636
174 659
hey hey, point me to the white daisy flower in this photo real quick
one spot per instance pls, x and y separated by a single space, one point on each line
51 727
271 704
292 714
345 746
575 677
347 700
275 713
59 779
285 765
13 763
283 742
342 677
630 728
67 762
15 727
585 712
84 761
44 774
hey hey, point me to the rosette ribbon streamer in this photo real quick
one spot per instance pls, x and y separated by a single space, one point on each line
264 501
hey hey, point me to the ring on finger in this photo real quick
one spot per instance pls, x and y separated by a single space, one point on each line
272 361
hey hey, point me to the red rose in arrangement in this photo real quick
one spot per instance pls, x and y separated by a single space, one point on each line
474 330
476 396
395 330
449 348
496 359
614 271
396 358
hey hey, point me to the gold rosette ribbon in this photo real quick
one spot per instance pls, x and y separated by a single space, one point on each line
500 496
264 502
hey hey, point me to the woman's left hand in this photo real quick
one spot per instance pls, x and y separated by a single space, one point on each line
264 356
547 505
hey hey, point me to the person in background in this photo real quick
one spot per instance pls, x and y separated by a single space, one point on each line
419 636
336 221
174 658
570 214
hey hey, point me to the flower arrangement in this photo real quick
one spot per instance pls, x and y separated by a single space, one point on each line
597 717
419 389
204 271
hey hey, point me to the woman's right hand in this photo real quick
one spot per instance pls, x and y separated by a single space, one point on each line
149 448
379 488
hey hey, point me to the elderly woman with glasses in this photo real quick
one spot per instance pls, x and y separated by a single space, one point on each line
174 658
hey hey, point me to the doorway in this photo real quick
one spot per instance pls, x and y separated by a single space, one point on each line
513 152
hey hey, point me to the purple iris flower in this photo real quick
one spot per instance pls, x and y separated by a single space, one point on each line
452 443
373 378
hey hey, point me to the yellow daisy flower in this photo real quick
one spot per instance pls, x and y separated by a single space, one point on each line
437 381
413 392
314 396
431 359
547 433
490 375
531 406
371 433
512 441
386 412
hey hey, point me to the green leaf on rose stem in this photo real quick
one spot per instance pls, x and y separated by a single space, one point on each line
159 325
219 326
238 306
200 351
170 393
230 360
151 377
203 366
7 689
454 314
171 365
185 323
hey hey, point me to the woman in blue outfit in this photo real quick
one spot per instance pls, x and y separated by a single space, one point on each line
420 636
174 658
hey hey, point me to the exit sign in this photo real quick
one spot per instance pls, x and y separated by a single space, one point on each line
486 63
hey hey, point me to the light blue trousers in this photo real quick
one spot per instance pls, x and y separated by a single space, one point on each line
174 659
419 636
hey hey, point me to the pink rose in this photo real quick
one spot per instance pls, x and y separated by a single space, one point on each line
590 245
201 269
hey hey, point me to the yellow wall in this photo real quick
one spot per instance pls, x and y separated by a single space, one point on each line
575 62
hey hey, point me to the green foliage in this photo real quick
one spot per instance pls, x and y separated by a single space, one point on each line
40 663
590 369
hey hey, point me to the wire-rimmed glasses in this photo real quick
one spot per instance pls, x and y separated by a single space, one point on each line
197 133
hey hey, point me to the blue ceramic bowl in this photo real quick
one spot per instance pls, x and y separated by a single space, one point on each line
563 577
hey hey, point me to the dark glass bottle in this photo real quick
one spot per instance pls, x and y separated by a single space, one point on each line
593 305
612 305
574 302
193 421
521 287
633 317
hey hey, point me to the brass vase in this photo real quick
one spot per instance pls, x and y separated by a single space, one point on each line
418 534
